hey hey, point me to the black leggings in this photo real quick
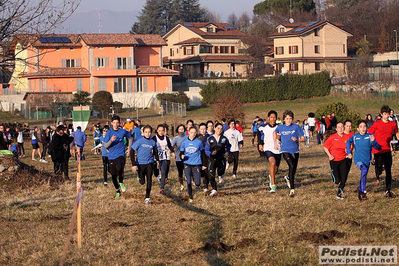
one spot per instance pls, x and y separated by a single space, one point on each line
106 169
339 172
386 160
21 148
164 166
180 169
292 161
45 147
233 157
145 170
215 167
117 168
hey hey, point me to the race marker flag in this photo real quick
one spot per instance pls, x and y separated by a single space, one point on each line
81 116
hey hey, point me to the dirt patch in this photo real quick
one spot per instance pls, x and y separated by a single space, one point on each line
217 246
245 243
351 222
120 224
326 237
256 212
365 226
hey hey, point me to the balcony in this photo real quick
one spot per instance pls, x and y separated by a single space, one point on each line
111 72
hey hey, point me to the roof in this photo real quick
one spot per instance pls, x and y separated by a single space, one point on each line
101 39
145 70
149 39
192 41
210 58
311 59
35 40
301 28
223 30
59 72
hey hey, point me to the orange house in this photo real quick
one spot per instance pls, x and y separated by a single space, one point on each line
118 63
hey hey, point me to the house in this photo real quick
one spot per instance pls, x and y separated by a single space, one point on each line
202 49
122 64
309 47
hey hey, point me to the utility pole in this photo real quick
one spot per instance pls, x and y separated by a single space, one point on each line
396 45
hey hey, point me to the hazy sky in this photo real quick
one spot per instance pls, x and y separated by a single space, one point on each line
224 7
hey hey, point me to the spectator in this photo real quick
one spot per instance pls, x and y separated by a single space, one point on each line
79 140
44 139
61 154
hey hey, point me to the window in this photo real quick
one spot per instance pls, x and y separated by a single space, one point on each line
317 32
293 49
232 49
70 63
102 84
344 48
101 62
216 49
79 84
206 49
317 66
120 85
172 52
140 86
121 63
293 66
280 50
224 49
209 29
190 50
317 49
282 30
117 47
279 67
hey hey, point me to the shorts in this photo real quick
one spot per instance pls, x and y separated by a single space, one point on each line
117 166
311 128
277 157
35 146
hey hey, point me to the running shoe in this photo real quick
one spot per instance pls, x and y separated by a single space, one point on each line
147 201
190 200
339 196
213 193
41 160
118 195
220 179
227 165
273 188
33 159
181 187
138 178
388 194
234 176
123 188
205 190
159 178
292 193
288 181
105 184
162 191
44 161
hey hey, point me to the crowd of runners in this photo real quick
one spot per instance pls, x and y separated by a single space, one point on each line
204 151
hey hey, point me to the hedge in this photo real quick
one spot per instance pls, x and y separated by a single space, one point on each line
177 97
277 88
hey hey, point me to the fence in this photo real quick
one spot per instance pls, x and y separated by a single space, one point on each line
171 108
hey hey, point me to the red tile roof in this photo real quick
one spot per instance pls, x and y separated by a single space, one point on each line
33 39
210 58
154 70
192 41
311 59
59 72
100 39
223 30
149 39
300 28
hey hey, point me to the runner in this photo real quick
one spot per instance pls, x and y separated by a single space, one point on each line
35 143
266 145
363 143
290 135
254 129
96 137
144 150
116 155
104 155
209 127
383 130
176 143
306 132
203 136
335 148
165 149
217 148
193 155
235 138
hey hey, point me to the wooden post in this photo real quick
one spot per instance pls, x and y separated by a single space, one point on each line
79 218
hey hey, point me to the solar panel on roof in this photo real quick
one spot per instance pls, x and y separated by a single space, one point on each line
311 23
299 29
229 27
65 40
187 24
57 39
50 39
43 40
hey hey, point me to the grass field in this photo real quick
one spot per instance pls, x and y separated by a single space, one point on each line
243 225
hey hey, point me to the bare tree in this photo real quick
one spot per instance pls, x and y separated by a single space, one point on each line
212 16
232 20
244 22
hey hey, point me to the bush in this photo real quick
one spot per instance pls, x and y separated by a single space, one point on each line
282 87
102 101
177 97
229 106
118 107
341 111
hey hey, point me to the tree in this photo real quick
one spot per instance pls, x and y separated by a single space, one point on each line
244 22
364 50
229 105
232 20
29 17
81 97
102 102
212 16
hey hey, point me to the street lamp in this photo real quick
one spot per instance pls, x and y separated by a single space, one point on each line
396 45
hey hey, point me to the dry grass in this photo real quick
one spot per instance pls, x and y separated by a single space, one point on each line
263 228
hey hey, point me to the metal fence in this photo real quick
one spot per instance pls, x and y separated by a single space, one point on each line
172 108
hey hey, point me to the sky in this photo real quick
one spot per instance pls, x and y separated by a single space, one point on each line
118 16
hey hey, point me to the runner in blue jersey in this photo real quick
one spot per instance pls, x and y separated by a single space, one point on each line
289 135
193 156
144 150
176 143
104 155
116 153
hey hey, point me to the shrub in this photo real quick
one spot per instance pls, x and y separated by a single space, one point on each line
341 111
81 97
117 106
177 97
102 101
229 105
282 87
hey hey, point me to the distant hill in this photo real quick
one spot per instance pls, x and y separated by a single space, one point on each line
111 22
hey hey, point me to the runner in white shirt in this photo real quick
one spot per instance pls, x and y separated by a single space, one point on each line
235 138
266 144
312 123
